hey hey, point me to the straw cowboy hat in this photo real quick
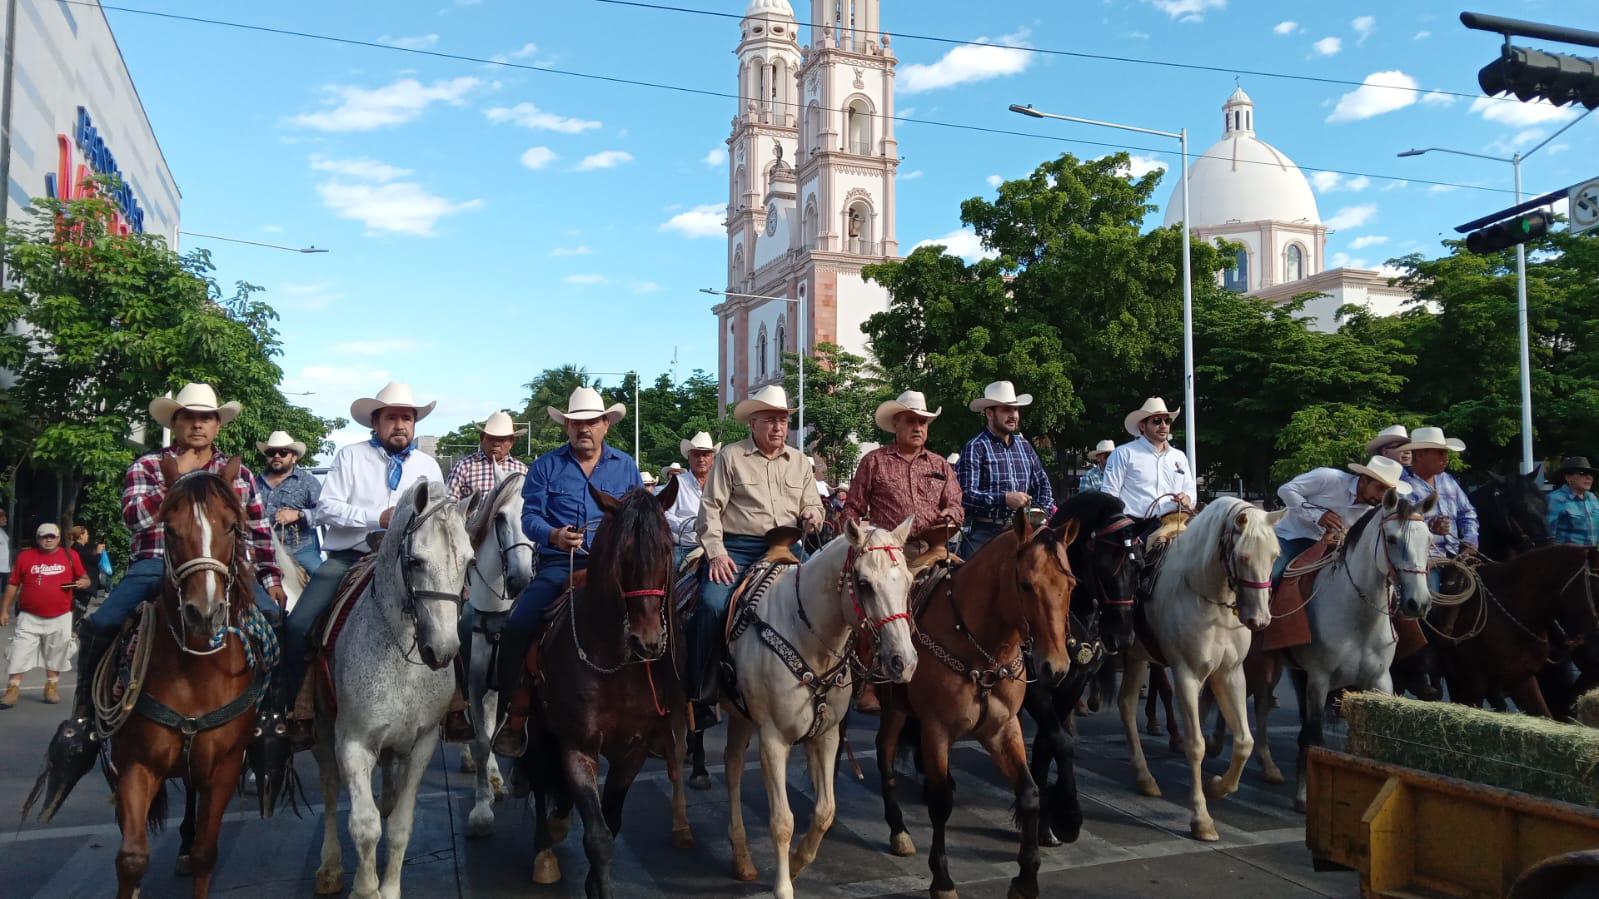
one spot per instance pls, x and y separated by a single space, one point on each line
281 440
1103 448
585 404
770 398
910 401
954 459
1387 437
1000 393
500 425
647 478
365 410
1574 464
194 398
1152 406
700 441
1433 438
1384 471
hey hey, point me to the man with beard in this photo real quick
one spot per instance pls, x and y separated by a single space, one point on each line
1149 475
999 470
483 470
290 494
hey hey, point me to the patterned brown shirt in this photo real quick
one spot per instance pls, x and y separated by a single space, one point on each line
887 488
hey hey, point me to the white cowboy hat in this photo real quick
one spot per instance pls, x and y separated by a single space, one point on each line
954 458
910 401
1152 406
281 440
1103 447
647 478
671 471
842 485
500 425
1384 471
365 410
1000 393
770 398
1387 437
194 398
1433 438
585 404
700 441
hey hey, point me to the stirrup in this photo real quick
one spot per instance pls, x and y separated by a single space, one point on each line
511 739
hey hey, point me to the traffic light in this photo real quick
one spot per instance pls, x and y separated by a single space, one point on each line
1560 78
1506 234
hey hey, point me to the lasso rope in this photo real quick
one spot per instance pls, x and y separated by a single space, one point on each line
110 713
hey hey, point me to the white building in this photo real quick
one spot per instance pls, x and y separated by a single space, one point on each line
1246 191
811 167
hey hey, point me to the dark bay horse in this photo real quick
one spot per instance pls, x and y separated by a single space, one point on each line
1107 558
609 691
1512 515
972 637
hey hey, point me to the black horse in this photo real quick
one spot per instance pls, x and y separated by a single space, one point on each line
1107 558
1512 515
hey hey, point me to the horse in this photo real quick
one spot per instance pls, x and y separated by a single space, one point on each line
1212 590
503 565
790 649
1107 558
973 635
1512 515
607 693
389 703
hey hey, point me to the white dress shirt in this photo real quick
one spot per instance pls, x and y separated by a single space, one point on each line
1331 489
1136 474
356 491
685 510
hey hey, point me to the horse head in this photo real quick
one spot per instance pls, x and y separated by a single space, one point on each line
1108 560
1045 582
1405 544
1249 549
632 559
1513 513
505 558
206 566
427 543
877 592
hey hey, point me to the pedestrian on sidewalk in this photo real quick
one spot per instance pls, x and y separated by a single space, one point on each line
89 558
47 574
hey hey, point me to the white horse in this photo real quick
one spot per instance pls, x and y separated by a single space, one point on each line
504 565
791 655
1213 589
393 678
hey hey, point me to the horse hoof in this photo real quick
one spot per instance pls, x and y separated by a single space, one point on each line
329 883
480 823
1047 838
943 894
1215 789
1272 775
182 869
682 838
901 845
546 868
744 870
700 781
497 787
1154 729
468 763
1148 787
1204 831
559 828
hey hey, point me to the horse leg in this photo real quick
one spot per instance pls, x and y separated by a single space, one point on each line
774 770
682 835
1262 694
407 779
1187 690
330 873
1312 712
1217 734
618 779
1174 736
1228 686
1151 711
356 762
213 797
1009 752
739 730
1529 698
700 779
184 868
582 774
386 798
939 789
1127 701
546 867
891 721
488 786
1046 742
823 752
135 791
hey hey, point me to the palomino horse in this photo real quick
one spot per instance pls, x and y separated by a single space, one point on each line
973 637
1106 557
504 565
392 679
609 691
791 652
1213 588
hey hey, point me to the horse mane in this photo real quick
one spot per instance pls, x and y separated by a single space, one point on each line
1091 509
636 527
477 527
1196 549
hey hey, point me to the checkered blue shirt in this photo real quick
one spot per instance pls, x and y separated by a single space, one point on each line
1092 481
1452 506
1573 520
990 468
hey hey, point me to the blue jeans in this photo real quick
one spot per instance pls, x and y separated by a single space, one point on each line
744 551
142 583
313 601
978 536
1290 551
309 555
527 616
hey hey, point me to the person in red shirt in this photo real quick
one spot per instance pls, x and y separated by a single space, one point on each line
45 576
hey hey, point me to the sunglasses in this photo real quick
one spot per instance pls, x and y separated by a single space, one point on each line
279 452
1158 420
49 537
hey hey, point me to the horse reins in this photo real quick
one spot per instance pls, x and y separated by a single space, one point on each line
504 553
412 596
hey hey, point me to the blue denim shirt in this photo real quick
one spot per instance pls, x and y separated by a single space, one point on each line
1573 520
300 490
556 493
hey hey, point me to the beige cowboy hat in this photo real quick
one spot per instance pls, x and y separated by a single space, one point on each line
500 425
1387 437
394 393
647 478
910 401
1433 438
1103 448
700 441
586 404
1384 471
1152 406
671 471
281 440
954 459
770 398
1000 393
194 398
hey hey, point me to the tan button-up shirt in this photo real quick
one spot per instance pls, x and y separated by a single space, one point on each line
749 494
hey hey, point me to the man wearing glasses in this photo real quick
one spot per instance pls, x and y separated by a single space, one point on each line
46 575
290 494
1149 475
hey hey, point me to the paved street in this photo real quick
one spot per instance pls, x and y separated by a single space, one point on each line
1131 846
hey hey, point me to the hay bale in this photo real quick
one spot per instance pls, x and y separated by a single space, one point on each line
1587 708
1516 752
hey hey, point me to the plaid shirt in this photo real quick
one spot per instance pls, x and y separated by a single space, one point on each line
144 489
1092 481
1573 520
475 474
991 468
1453 506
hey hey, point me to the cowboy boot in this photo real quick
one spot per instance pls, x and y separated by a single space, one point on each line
518 658
457 727
76 743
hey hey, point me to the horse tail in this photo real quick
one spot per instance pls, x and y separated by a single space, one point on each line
155 821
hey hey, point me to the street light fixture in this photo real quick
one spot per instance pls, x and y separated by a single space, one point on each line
1527 463
1190 406
255 243
800 342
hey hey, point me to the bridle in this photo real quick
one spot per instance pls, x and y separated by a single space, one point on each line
1103 540
628 656
848 583
1229 543
412 597
179 574
503 550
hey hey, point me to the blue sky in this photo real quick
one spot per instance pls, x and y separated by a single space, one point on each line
487 223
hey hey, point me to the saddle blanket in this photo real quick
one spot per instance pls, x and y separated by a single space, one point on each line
1290 624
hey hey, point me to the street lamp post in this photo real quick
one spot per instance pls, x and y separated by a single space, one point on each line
800 343
1190 405
310 250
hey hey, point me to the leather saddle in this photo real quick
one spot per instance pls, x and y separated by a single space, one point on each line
325 632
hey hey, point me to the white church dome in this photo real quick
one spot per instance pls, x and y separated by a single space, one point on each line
773 7
1241 178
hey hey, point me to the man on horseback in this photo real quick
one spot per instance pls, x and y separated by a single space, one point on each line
483 470
999 470
1324 502
1093 480
1149 475
559 516
1454 521
700 451
1573 509
290 494
1390 442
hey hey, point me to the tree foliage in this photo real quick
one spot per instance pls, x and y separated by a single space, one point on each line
841 393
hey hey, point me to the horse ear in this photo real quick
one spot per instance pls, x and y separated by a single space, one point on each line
230 472
1536 475
421 495
853 532
668 496
607 503
1068 532
472 503
1496 477
1390 500
1023 525
1427 505
1242 521
1273 517
903 532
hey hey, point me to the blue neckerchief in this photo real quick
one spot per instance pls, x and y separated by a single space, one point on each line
395 461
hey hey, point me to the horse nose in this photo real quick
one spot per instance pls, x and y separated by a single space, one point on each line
193 618
1256 624
430 658
644 649
900 669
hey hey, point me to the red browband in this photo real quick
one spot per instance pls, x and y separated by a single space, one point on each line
653 592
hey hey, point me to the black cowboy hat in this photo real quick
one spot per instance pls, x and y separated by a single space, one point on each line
1575 464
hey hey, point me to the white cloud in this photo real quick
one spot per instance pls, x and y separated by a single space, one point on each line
379 347
605 159
1423 35
1137 35
911 176
961 242
646 287
522 52
717 156
1327 182
994 181
701 221
1327 46
1438 98
1520 115
1395 185
1364 26
1380 93
529 116
538 157
965 64
1137 166
362 109
1286 27
584 279
419 42
306 295
1368 240
582 250
320 378
1351 217
272 229
364 169
1441 189
400 207
1188 10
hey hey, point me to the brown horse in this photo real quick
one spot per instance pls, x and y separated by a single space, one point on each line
972 637
1500 637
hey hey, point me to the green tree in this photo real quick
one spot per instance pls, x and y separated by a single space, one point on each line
841 393
1329 435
